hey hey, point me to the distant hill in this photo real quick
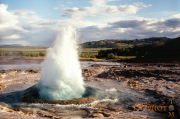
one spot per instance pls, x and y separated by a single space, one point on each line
116 43
156 52
12 45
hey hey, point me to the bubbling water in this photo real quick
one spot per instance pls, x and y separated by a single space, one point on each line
61 73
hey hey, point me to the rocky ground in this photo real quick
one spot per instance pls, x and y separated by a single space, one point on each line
158 80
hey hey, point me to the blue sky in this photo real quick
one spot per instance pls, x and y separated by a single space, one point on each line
37 22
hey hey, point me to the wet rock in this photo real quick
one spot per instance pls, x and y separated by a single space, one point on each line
49 110
146 64
45 114
96 65
88 72
156 94
172 79
97 79
133 82
170 65
26 112
158 86
2 71
177 101
32 71
160 65
92 79
107 110
74 101
87 79
2 86
31 95
3 75
103 105
136 73
97 115
159 90
103 75
113 109
159 78
6 109
137 107
124 79
109 113
170 87
84 100
99 111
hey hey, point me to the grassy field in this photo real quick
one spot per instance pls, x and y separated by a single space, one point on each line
118 58
35 51
23 49
30 52
92 50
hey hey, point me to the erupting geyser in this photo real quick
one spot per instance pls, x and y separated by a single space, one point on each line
61 73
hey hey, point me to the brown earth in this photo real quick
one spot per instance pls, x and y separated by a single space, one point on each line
159 80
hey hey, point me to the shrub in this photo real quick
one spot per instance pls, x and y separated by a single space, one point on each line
42 53
32 55
111 56
87 55
8 53
92 56
1 53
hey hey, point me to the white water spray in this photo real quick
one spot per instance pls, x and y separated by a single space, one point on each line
61 73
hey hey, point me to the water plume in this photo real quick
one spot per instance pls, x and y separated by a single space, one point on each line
61 73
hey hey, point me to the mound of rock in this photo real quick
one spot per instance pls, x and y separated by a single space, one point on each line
22 111
31 95
88 72
135 73
2 86
46 114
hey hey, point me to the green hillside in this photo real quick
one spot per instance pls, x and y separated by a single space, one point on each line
114 43
169 51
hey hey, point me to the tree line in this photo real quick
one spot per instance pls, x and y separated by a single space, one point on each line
169 49
115 43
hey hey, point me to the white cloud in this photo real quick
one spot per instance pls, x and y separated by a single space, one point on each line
6 17
69 2
56 8
18 27
98 2
22 12
8 24
141 5
176 16
25 27
14 36
134 28
99 8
